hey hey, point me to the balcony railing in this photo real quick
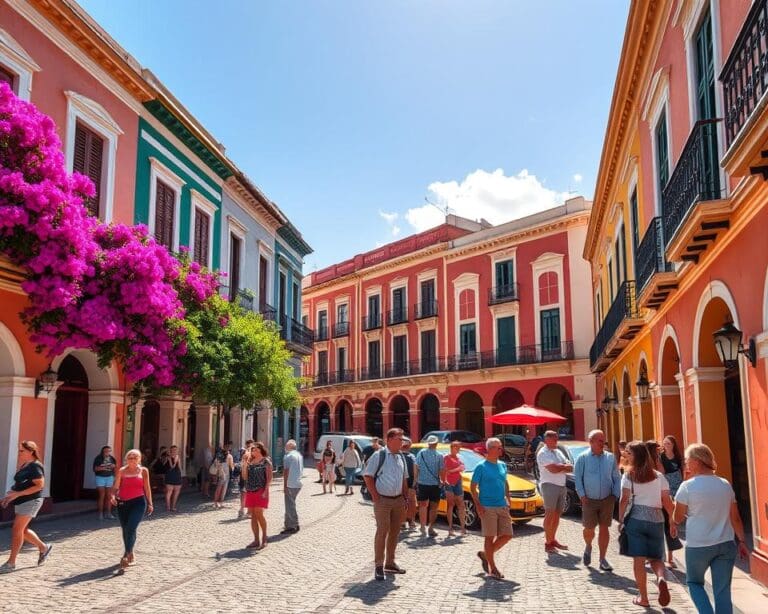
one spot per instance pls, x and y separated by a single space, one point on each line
268 312
425 309
696 177
341 329
624 307
321 334
397 316
649 258
372 321
301 334
245 299
374 372
745 72
503 294
341 377
284 332
321 379
519 355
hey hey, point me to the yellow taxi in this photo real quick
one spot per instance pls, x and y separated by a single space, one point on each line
525 502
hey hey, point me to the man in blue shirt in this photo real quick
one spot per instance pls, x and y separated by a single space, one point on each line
598 485
492 504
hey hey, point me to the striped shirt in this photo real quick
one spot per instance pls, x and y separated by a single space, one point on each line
389 482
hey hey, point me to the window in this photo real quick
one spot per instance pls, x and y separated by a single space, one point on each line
705 70
296 301
341 361
400 353
201 239
374 311
467 344
6 76
621 257
428 305
16 66
165 210
263 268
505 340
374 353
398 306
322 367
634 218
662 152
550 331
281 296
466 304
428 351
88 160
322 324
234 265
548 288
341 313
505 278
610 279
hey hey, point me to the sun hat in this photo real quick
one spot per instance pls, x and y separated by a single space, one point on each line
432 440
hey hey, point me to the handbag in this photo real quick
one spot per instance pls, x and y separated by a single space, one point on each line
623 537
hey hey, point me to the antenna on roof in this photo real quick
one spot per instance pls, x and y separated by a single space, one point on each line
446 211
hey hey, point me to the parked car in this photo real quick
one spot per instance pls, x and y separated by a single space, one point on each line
514 448
340 442
526 502
468 439
571 450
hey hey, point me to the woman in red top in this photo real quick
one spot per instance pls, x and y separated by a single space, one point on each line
454 488
132 494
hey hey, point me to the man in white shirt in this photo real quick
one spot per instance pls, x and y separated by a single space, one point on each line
553 465
293 469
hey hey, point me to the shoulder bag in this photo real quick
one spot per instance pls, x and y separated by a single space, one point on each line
623 537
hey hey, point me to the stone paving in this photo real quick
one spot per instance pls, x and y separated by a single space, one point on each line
194 561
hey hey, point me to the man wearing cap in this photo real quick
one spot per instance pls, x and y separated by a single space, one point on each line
553 467
429 476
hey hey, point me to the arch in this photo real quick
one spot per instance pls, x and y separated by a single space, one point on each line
507 398
669 341
671 406
343 415
322 418
98 378
11 356
470 415
626 406
556 398
714 290
374 421
429 409
614 418
400 408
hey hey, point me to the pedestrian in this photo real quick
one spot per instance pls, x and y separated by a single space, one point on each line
157 469
376 445
351 462
386 478
241 513
329 466
104 467
257 480
644 494
293 470
672 541
621 458
26 496
429 477
410 463
172 478
708 503
672 461
205 473
454 488
132 494
553 467
492 505
223 464
598 484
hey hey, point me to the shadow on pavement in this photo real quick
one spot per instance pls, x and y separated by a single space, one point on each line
373 591
494 590
563 560
612 580
105 573
237 553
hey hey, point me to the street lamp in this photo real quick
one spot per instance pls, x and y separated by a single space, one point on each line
608 402
642 385
46 381
728 346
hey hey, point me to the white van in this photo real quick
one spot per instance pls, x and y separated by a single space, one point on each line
340 441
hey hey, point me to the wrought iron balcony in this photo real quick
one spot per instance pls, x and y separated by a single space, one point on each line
397 316
503 294
372 372
300 334
464 362
621 323
425 309
321 379
284 332
372 321
343 376
653 286
507 356
268 312
696 179
245 299
745 72
341 329
321 334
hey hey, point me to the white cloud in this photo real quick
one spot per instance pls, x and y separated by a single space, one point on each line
494 196
391 219
578 178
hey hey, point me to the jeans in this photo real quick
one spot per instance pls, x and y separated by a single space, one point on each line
291 515
349 476
130 514
720 558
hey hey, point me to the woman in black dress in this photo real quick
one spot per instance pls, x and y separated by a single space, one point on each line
172 479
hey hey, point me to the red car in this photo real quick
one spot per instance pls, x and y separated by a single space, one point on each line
468 439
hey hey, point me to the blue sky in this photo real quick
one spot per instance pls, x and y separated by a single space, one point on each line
349 114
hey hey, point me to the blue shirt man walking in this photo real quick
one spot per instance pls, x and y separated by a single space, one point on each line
598 485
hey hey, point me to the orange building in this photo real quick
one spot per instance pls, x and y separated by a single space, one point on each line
677 242
444 328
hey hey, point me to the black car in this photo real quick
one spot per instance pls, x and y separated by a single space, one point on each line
571 450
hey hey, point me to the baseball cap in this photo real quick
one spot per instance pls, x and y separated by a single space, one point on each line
432 440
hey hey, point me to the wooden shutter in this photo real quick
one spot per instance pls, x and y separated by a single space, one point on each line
262 281
202 228
234 267
165 198
88 160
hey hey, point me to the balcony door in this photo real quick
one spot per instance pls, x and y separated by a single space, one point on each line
705 106
399 355
398 305
374 311
428 351
322 367
262 283
427 298
374 358
505 278
341 363
505 338
550 333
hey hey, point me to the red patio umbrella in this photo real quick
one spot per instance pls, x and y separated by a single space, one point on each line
526 415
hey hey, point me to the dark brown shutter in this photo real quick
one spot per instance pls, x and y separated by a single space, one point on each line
88 159
202 227
6 76
234 267
164 201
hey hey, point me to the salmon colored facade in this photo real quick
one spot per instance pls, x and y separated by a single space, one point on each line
444 328
677 242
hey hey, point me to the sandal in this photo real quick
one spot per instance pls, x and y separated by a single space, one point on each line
639 602
664 596
483 560
495 574
123 563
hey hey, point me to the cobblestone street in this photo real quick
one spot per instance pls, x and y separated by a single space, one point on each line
195 561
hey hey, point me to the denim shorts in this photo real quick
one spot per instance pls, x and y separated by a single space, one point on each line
457 489
645 538
105 481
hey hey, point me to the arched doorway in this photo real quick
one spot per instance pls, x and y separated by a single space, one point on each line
374 423
556 398
323 418
470 413
70 431
191 431
400 409
720 411
344 416
614 419
304 431
150 430
671 410
505 399
430 413
626 408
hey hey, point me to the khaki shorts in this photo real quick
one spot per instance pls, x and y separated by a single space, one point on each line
553 495
597 512
496 521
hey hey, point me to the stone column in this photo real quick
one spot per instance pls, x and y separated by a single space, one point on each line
50 415
358 418
414 419
102 416
448 418
203 431
386 422
12 389
584 418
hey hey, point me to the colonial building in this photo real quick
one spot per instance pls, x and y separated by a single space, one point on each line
446 327
677 242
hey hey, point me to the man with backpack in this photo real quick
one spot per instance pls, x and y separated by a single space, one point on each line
429 479
386 477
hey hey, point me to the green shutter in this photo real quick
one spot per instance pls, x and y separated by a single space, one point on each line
506 342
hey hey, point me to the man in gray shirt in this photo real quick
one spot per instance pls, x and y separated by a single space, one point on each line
293 468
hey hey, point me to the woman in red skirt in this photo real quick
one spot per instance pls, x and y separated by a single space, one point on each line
257 479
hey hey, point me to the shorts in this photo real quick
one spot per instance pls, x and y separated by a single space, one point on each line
105 481
597 512
496 521
29 508
329 472
456 489
256 498
428 492
645 539
553 495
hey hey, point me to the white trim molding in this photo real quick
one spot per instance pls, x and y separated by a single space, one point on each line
206 207
16 59
548 263
157 171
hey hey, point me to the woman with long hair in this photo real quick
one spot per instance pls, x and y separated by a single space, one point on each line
132 494
26 496
672 461
644 494
350 462
258 476
709 504
104 467
454 488
172 478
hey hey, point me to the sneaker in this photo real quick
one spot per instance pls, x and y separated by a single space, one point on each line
587 558
240 514
605 565
393 568
379 572
41 558
423 531
7 567
432 532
